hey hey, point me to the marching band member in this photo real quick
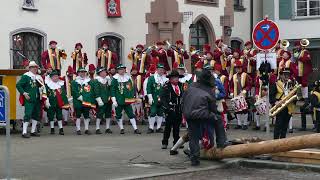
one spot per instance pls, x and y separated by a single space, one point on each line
67 80
154 87
105 56
92 71
171 96
286 62
240 85
29 88
81 91
315 103
161 54
249 61
102 90
137 106
220 55
225 82
304 67
208 59
53 56
112 70
57 100
236 56
79 58
260 93
178 54
280 91
187 78
122 96
197 71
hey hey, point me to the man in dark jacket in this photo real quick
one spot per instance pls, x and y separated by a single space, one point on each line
170 100
199 106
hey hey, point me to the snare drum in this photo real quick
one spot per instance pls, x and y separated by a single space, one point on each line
239 103
261 106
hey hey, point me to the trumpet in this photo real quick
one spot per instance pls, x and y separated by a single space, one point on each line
293 95
284 44
173 47
304 42
193 51
63 53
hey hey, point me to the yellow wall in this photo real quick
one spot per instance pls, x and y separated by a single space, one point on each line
10 82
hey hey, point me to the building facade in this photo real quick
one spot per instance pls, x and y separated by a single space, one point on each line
28 28
298 19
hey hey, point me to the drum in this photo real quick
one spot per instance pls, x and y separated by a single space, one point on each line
239 103
261 106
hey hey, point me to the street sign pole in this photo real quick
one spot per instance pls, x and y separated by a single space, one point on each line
268 102
7 120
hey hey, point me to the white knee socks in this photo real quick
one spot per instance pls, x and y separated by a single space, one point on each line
120 123
108 123
78 122
159 121
65 114
51 124
25 127
34 126
242 119
152 120
98 123
60 124
290 124
133 123
86 124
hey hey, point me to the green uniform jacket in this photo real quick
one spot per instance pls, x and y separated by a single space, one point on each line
85 91
154 89
101 90
51 93
122 91
26 84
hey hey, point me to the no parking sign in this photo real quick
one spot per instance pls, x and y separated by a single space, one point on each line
265 34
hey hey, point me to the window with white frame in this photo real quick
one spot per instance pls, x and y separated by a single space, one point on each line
307 8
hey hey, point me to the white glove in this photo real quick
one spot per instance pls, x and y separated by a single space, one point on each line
70 100
26 95
80 98
114 101
150 99
231 94
99 101
244 92
47 104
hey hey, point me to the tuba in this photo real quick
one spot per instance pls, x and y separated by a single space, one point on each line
304 42
293 95
284 44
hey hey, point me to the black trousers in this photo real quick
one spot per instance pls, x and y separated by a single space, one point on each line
281 125
221 137
195 134
173 122
318 121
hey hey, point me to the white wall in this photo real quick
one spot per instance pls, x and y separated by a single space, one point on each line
59 20
241 27
297 29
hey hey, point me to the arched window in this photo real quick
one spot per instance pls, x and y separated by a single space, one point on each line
26 44
236 44
199 36
115 44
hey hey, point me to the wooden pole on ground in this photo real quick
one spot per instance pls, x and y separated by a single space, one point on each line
264 147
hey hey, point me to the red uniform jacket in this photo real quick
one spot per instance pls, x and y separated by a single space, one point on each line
162 56
183 55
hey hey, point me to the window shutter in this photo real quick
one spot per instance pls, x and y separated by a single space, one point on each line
285 9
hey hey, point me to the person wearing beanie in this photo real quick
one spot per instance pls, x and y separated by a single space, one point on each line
83 101
102 92
154 87
57 100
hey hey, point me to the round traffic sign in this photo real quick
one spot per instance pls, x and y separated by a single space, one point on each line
265 34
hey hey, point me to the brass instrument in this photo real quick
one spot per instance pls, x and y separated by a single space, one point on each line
293 95
63 53
193 51
284 44
304 42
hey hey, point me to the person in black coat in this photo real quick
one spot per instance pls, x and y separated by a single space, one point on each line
199 107
170 100
315 104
